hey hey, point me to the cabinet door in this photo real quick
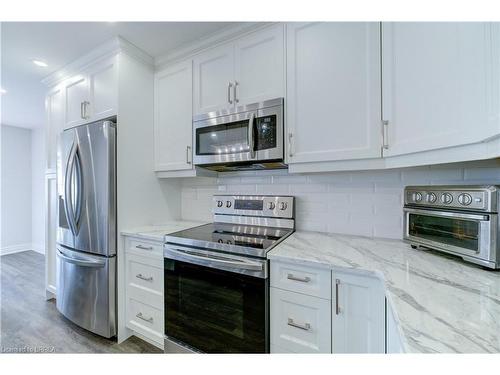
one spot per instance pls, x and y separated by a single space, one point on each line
76 93
103 81
440 84
358 314
54 107
260 66
333 91
392 336
214 79
173 126
50 234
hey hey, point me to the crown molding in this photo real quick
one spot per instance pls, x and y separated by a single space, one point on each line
212 40
108 49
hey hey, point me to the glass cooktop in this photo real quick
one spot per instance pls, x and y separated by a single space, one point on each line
245 239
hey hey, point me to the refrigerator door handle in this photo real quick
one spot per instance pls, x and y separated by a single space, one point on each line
68 207
84 262
79 188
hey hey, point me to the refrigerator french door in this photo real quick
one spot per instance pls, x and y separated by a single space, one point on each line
86 233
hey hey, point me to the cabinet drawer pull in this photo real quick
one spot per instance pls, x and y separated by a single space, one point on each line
235 96
139 276
337 307
229 85
142 247
140 316
301 279
305 327
188 152
290 136
82 115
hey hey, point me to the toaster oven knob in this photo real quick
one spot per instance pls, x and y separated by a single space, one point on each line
417 197
431 197
271 205
228 204
446 198
464 199
219 203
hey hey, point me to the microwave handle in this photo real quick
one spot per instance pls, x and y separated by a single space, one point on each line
251 142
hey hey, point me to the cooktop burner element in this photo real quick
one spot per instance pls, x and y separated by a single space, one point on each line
247 225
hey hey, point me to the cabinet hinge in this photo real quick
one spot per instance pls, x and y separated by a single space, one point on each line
385 134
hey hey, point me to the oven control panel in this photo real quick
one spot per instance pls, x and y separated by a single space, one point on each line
473 198
254 205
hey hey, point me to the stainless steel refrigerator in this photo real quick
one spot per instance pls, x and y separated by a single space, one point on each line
86 233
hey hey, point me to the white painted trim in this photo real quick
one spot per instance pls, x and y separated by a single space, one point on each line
197 172
148 340
212 40
12 249
39 248
112 47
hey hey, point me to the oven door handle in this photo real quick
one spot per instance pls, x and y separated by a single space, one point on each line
205 259
448 214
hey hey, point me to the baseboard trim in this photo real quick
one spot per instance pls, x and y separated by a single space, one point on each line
39 248
15 248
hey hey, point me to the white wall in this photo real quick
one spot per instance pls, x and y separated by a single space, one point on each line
367 203
38 190
16 189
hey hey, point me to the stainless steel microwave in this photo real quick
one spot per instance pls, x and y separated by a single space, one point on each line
244 138
459 220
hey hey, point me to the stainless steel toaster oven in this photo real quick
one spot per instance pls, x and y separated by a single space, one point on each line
459 220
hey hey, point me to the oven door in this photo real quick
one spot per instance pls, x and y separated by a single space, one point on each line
465 234
242 137
210 306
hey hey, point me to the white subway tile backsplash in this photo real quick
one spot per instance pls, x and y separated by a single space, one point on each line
367 203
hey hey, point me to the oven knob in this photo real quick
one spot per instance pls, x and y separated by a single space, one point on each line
430 198
446 198
271 205
464 199
283 206
417 197
228 204
219 203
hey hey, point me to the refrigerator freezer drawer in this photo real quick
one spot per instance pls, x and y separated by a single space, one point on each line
86 290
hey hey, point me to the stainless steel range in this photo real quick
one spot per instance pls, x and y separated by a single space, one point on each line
216 276
460 220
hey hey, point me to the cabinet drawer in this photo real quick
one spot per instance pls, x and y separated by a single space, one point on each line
144 276
311 281
300 323
145 319
144 247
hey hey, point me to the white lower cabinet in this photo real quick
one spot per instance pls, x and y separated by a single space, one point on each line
358 314
300 323
50 235
393 342
319 311
144 289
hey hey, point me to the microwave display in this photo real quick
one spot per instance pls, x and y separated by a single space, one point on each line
456 232
265 128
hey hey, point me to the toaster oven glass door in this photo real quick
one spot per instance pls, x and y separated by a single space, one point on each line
457 232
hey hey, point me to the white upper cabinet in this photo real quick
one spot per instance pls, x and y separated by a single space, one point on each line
173 130
440 84
54 108
358 310
333 91
92 95
213 79
103 85
260 66
249 70
76 98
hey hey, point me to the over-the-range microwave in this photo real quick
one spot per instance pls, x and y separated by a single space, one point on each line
248 137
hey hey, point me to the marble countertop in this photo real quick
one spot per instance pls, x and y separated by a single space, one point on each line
157 232
441 304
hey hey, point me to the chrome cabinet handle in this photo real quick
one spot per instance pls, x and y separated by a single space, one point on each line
251 142
85 114
301 279
337 307
82 115
230 84
305 327
140 316
290 135
142 247
139 276
236 100
188 151
385 134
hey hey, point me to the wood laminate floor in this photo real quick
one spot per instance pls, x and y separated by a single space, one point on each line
28 322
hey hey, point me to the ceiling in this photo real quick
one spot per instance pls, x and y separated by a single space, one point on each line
59 43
